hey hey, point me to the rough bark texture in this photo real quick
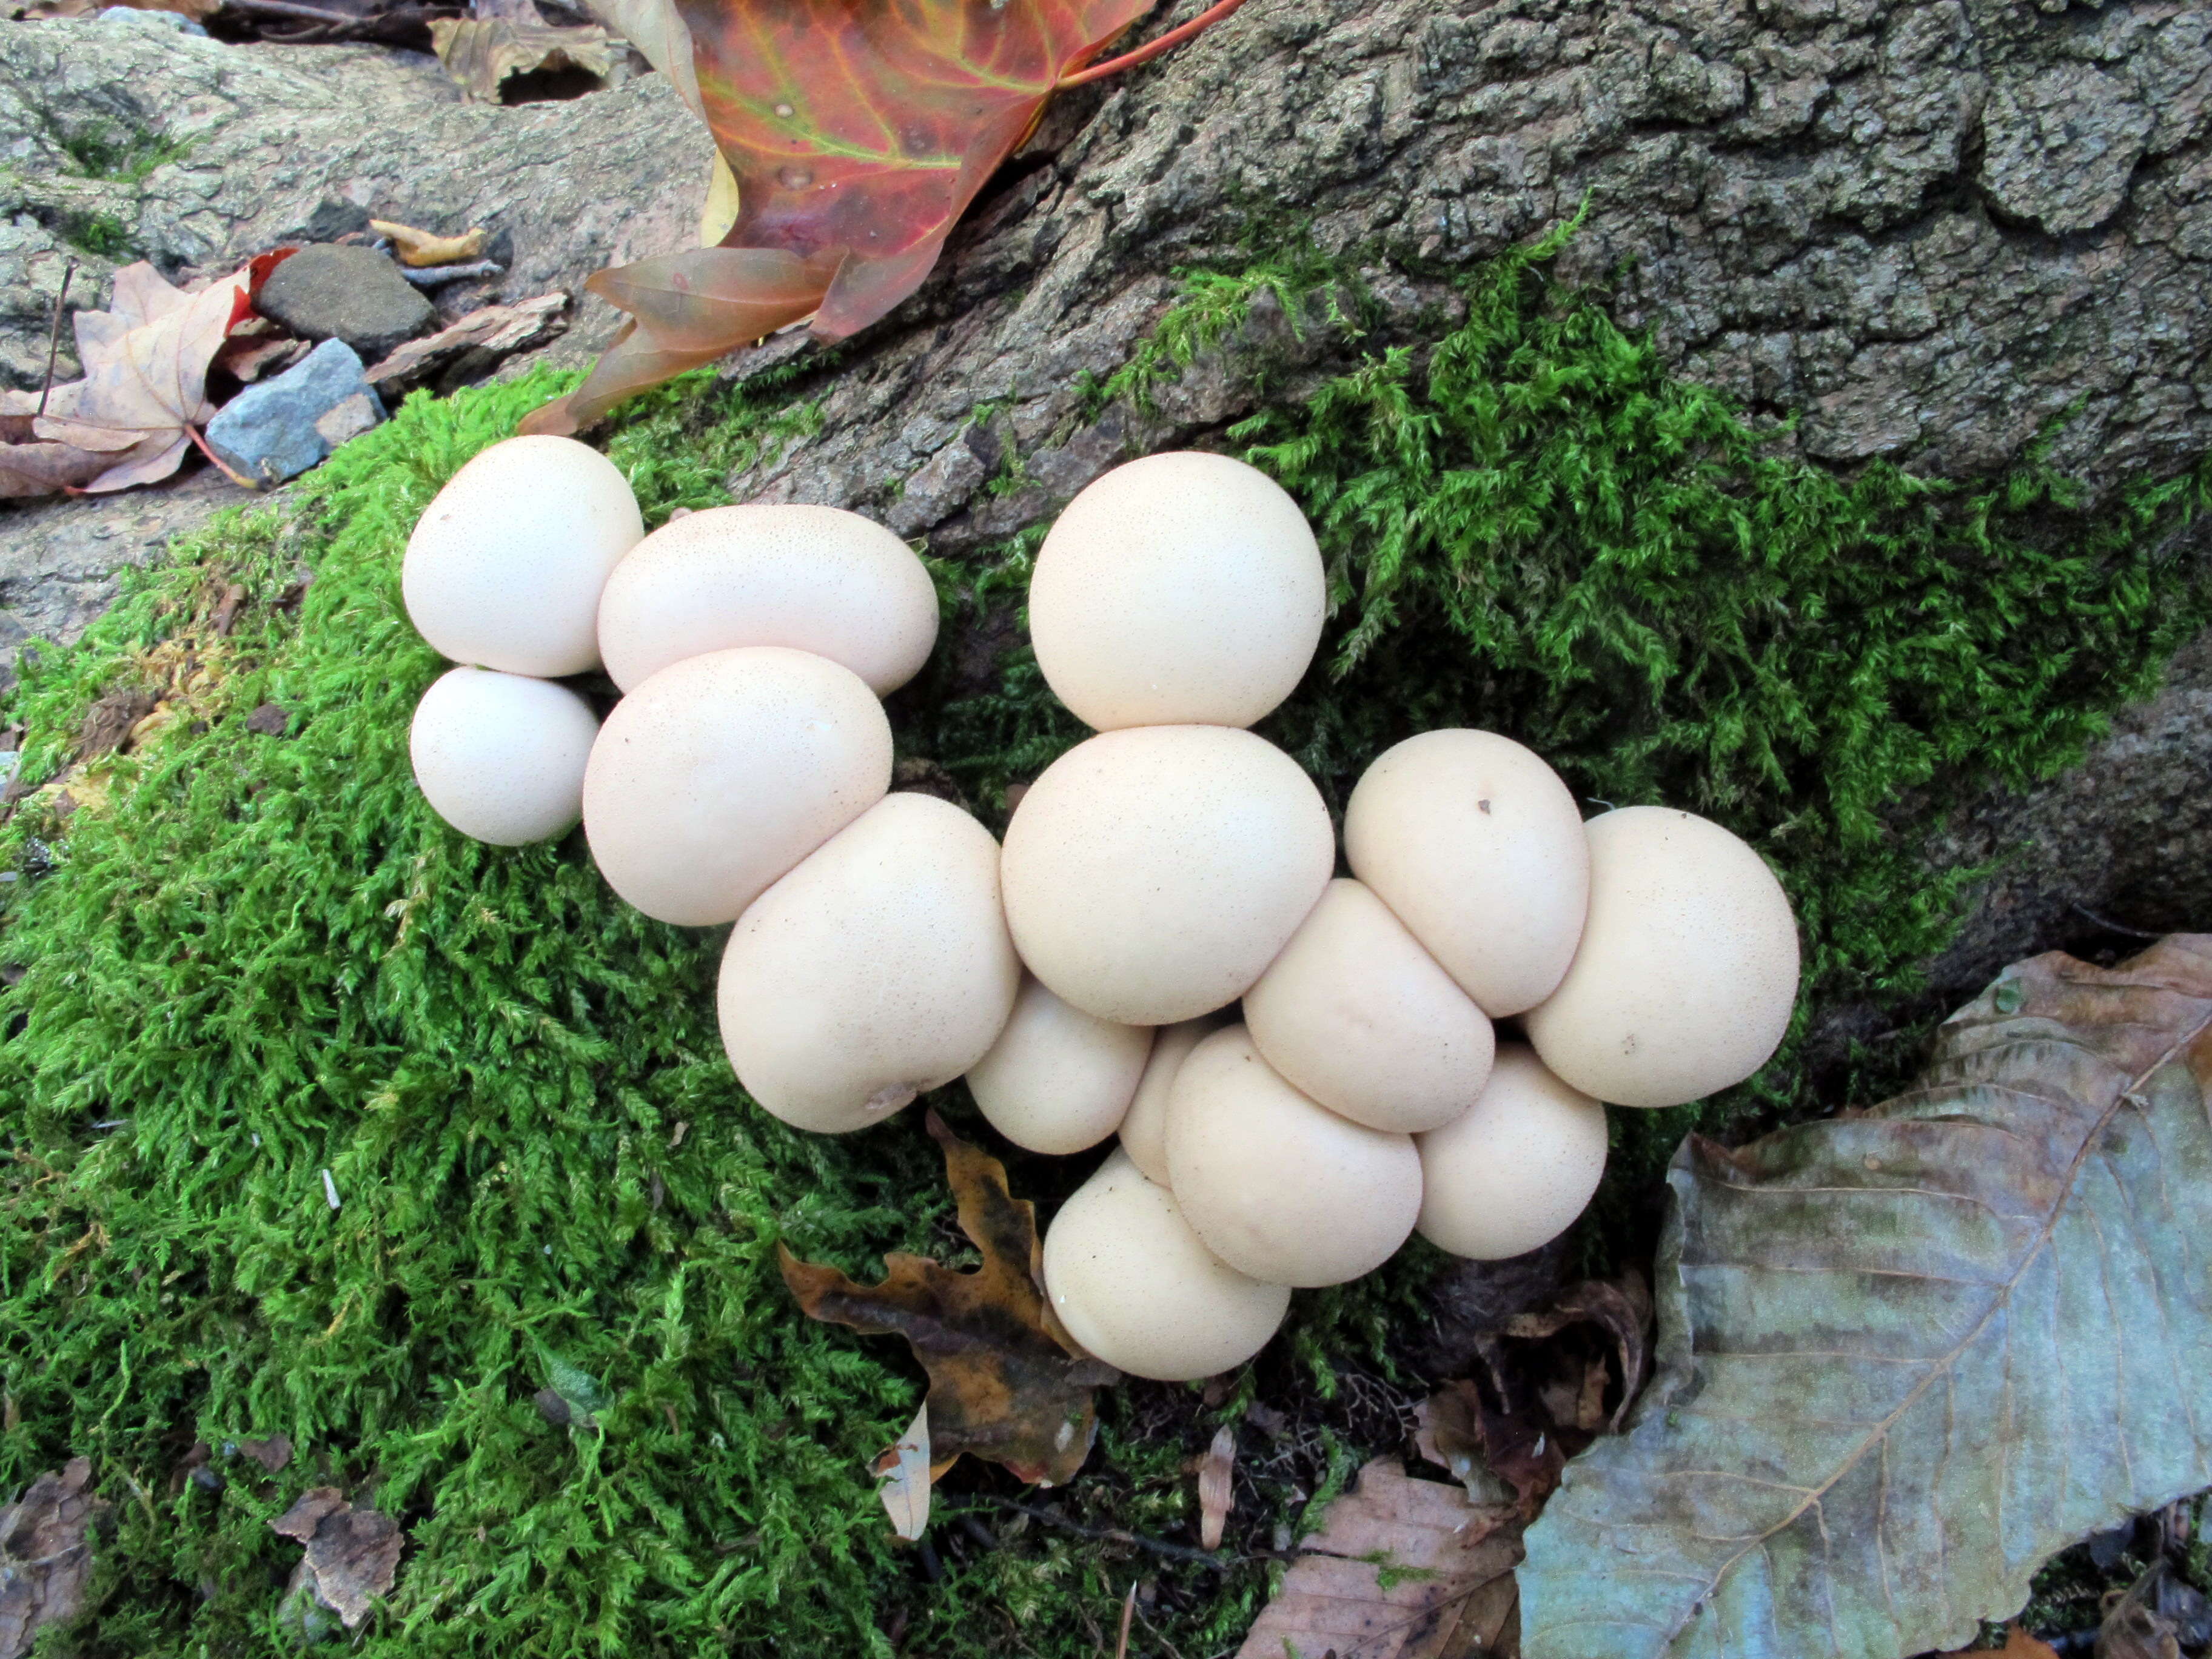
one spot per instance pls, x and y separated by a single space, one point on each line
1926 229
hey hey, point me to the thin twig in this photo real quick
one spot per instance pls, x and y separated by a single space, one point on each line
1115 1535
1159 1636
1128 1612
435 276
292 8
1151 49
2114 927
54 334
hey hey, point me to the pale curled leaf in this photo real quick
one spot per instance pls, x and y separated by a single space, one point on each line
1216 1471
653 27
421 249
901 1472
1905 1356
1403 1569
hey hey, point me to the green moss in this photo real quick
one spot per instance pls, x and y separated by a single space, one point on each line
250 960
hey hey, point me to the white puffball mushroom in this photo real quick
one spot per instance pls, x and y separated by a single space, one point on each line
723 771
1476 847
1058 1080
1182 589
1355 1013
878 969
815 579
505 565
1276 1185
1688 967
1144 1125
1134 1286
1512 1172
1152 874
500 756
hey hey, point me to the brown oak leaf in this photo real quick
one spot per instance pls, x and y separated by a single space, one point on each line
1007 1382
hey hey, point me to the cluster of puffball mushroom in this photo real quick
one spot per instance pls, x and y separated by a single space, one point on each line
1301 1069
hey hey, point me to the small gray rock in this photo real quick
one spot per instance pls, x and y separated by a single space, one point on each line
279 428
167 20
351 294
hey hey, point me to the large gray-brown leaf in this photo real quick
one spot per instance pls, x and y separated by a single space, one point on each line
1905 1356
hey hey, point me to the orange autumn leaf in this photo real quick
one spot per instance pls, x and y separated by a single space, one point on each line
2019 1645
1007 1382
858 131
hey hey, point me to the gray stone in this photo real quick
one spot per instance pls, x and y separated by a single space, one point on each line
355 294
280 428
260 145
167 20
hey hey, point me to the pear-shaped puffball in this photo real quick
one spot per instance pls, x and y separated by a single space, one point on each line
813 578
1355 1013
1688 965
878 969
1132 1285
1145 1125
505 567
1058 1080
1516 1169
1277 1186
1182 589
1152 874
1476 847
502 757
721 772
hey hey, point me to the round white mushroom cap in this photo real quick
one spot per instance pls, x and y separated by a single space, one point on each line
878 969
721 772
1278 1187
1183 588
1133 1286
1476 847
816 579
505 565
1355 1013
500 756
1152 874
1516 1169
1687 971
1145 1125
1058 1080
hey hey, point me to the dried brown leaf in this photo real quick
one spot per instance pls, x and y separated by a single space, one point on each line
481 53
352 1555
1215 1487
2132 1627
1006 1383
145 384
421 248
272 1454
1403 1569
45 1559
